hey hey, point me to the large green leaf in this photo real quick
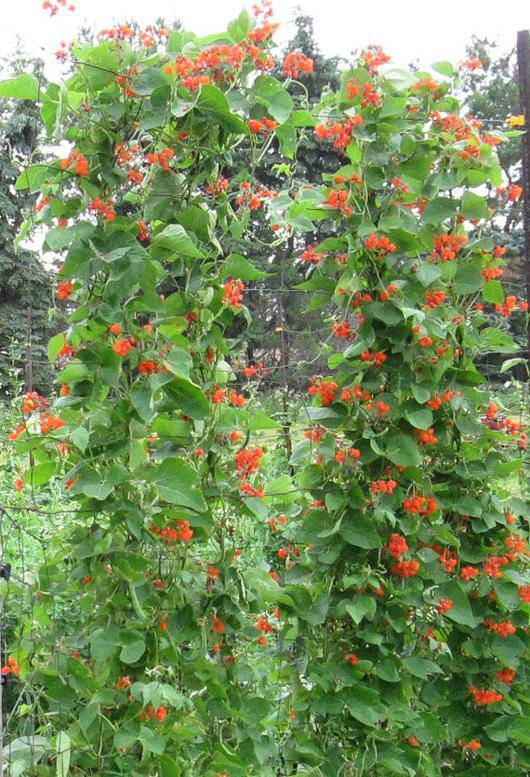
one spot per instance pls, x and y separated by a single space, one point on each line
61 237
176 482
23 87
189 397
403 451
364 705
162 195
213 103
237 266
474 206
493 292
104 642
133 646
439 209
240 27
468 278
151 741
362 607
142 400
419 417
421 667
428 273
40 474
269 92
360 531
174 238
461 611
100 65
149 79
33 177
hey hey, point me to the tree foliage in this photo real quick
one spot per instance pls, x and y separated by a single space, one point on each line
25 285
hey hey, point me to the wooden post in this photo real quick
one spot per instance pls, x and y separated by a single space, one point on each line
523 68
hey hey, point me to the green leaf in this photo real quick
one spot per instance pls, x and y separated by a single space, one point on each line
360 531
303 118
430 728
468 278
439 210
280 486
316 612
493 292
96 490
403 451
420 393
428 273
420 667
24 87
189 397
168 766
99 68
445 68
212 102
260 420
63 750
474 206
237 266
387 670
419 417
61 237
176 482
179 362
286 134
166 427
162 195
508 649
363 607
240 27
149 79
103 643
519 730
180 107
468 505
41 474
151 742
174 238
268 91
364 705
79 437
461 611
509 363
497 341
55 344
133 650
384 311
33 177
142 400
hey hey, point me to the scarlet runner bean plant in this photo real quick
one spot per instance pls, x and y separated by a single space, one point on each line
158 658
386 628
408 568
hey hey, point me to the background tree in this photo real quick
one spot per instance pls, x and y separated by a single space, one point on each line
491 92
25 284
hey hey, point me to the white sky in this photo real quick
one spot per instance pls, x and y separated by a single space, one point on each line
408 29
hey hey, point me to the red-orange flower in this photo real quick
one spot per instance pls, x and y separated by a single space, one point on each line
122 347
295 63
233 293
64 289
